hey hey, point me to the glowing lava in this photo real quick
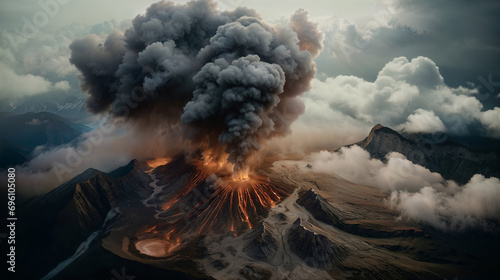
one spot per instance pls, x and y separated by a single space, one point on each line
205 196
236 203
242 175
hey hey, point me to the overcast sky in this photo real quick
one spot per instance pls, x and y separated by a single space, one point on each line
410 65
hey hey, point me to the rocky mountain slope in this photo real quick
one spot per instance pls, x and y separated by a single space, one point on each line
56 223
450 159
147 223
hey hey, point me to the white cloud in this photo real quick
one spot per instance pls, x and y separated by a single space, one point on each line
417 193
7 56
472 205
48 60
491 120
21 84
354 164
347 37
406 94
25 85
62 85
37 63
423 121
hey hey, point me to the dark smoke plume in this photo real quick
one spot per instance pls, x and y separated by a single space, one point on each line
228 79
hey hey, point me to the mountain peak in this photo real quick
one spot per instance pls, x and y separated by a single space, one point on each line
377 127
376 131
126 169
450 159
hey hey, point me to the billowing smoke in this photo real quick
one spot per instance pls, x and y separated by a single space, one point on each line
227 79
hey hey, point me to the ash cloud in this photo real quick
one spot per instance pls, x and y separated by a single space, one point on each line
227 79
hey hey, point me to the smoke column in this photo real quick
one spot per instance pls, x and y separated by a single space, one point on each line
228 80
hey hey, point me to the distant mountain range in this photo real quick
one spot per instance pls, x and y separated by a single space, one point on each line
30 130
66 105
450 159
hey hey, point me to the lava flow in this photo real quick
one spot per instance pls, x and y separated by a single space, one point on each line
208 198
222 201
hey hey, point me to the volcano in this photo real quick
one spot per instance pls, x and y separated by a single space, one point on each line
185 218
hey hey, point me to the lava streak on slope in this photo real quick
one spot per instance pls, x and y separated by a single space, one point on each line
204 196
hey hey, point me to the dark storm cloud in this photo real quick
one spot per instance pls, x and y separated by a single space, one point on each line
462 37
233 78
469 22
466 34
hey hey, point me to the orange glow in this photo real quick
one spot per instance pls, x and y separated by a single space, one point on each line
157 162
235 204
149 230
209 197
242 175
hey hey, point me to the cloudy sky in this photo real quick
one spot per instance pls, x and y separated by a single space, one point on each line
422 66
417 66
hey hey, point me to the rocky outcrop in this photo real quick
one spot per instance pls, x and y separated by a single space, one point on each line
319 208
325 212
314 249
95 197
254 272
451 160
263 245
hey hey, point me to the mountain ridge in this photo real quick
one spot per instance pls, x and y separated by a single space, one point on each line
65 216
452 160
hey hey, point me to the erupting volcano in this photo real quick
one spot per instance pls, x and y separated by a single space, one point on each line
183 165
204 196
223 81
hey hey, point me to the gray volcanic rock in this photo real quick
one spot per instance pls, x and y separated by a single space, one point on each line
253 272
264 245
451 160
315 249
325 212
319 208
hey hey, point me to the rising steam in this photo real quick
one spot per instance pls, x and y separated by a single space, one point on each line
227 79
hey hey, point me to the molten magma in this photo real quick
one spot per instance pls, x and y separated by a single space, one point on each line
241 175
234 205
208 197
231 202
